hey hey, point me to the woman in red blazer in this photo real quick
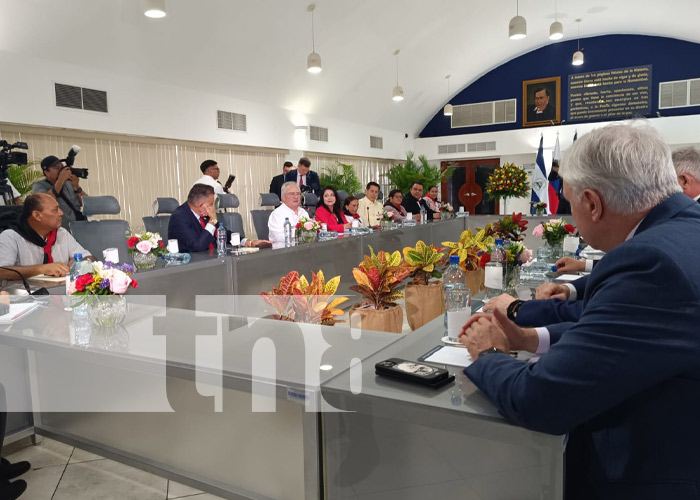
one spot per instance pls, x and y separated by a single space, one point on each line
328 211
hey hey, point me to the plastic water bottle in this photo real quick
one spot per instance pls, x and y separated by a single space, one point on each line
287 232
75 271
221 240
423 214
494 278
454 279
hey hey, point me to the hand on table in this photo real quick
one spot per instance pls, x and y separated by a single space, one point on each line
481 332
260 243
57 269
499 303
570 265
552 291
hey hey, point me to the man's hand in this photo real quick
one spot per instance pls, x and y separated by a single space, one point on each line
261 243
482 332
499 303
552 291
63 176
570 265
54 269
209 211
75 181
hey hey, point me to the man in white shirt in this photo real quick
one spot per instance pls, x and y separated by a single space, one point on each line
211 172
16 200
370 209
289 209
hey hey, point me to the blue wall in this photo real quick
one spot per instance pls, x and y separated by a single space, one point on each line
671 59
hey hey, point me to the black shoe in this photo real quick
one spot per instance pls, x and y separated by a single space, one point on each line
12 490
10 471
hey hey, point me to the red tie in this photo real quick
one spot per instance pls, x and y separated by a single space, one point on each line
301 181
204 225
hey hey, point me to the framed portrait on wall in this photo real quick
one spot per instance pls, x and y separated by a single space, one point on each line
542 102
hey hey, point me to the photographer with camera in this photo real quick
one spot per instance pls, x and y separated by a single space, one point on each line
62 181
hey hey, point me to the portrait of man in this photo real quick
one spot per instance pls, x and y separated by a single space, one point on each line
541 101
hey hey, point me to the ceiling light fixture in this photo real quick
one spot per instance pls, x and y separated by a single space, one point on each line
448 110
397 93
313 62
577 59
556 29
154 9
517 28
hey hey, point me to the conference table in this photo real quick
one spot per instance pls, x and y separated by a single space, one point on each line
198 385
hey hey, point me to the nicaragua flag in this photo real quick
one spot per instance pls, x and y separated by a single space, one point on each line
554 185
540 185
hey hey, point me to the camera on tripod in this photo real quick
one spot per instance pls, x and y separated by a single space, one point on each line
70 159
9 157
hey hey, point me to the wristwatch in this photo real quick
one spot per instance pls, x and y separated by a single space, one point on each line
213 222
513 307
490 350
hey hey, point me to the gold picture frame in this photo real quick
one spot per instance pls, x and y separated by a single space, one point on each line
548 92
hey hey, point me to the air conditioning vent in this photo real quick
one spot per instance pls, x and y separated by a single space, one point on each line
231 121
450 149
484 113
318 133
69 96
679 94
476 147
376 142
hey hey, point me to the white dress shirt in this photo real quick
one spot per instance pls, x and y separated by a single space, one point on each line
15 193
370 211
209 181
275 223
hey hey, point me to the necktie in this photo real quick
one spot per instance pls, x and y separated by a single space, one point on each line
204 225
301 181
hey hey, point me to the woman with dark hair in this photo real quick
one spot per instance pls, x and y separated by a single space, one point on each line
328 211
351 206
393 205
431 199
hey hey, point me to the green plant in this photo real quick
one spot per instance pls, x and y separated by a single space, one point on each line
377 278
342 177
510 227
403 175
423 262
23 177
469 246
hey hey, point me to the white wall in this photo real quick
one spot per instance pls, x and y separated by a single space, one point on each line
150 109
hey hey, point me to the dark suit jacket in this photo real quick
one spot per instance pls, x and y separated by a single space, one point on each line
312 180
412 205
547 312
624 381
276 185
188 231
549 113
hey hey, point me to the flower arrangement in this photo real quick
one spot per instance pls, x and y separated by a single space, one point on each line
510 227
446 208
553 231
538 205
509 181
423 262
297 299
146 243
517 254
306 224
377 277
386 216
106 279
469 246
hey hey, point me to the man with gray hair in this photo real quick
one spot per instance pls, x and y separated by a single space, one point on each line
687 163
289 209
624 381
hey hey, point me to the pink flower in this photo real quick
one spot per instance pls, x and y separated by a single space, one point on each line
526 255
538 231
119 283
309 226
144 246
555 221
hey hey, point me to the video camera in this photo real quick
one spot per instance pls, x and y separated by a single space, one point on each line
70 159
7 158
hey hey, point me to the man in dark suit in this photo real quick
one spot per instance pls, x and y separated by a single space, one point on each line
542 110
278 180
624 381
306 179
687 164
413 201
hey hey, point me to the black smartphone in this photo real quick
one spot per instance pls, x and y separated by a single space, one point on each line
229 181
410 371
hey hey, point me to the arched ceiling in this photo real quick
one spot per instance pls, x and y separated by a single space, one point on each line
256 50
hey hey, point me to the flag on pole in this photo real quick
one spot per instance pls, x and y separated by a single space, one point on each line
575 136
555 184
540 185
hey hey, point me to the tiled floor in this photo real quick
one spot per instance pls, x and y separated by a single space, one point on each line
62 472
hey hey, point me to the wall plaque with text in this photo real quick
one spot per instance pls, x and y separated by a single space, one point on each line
610 94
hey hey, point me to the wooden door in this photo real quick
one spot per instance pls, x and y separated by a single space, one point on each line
467 184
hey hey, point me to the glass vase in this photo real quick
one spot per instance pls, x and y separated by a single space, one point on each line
386 225
307 236
144 261
512 281
107 310
557 250
539 212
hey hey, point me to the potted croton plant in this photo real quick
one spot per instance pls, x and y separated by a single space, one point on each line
378 277
468 248
296 299
424 299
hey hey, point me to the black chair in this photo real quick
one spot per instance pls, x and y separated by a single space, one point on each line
342 195
159 223
232 221
97 235
260 217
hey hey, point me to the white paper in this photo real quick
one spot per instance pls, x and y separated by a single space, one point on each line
568 277
493 277
17 311
43 277
111 255
454 356
173 246
571 244
235 239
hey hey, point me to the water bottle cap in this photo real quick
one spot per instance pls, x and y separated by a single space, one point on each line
454 259
286 219
77 256
499 241
554 268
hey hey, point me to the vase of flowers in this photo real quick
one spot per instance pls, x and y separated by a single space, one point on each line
104 288
306 229
446 211
553 233
386 221
145 248
517 254
539 208
508 181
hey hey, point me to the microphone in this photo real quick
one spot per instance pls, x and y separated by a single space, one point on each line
40 291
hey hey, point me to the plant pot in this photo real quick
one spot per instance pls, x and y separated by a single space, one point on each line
144 261
423 303
385 320
475 280
307 236
106 310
